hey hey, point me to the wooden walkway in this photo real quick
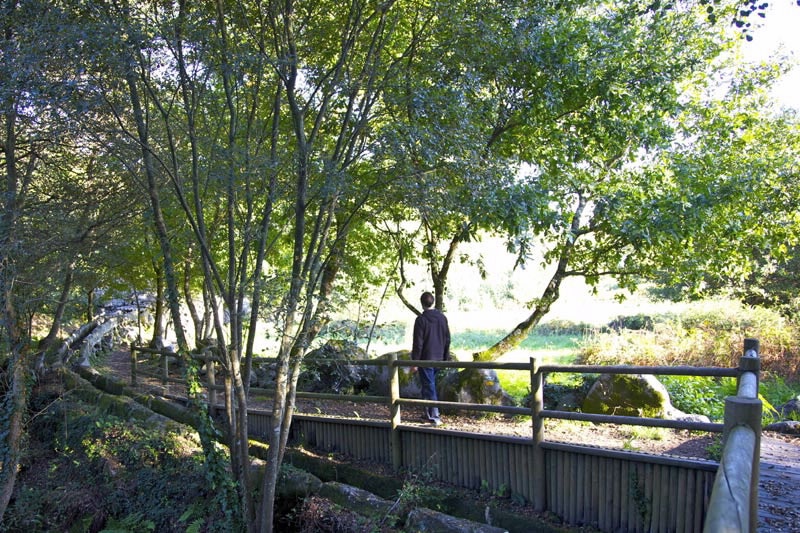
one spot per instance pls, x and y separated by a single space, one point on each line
779 487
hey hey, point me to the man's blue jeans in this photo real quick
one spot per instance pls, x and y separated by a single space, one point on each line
427 383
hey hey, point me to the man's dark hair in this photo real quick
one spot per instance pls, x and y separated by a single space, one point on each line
427 300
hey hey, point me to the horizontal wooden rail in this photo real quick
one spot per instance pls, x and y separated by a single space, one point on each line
653 370
501 409
484 408
633 421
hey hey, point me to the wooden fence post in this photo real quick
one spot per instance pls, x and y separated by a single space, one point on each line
732 506
164 369
394 407
133 365
537 404
750 364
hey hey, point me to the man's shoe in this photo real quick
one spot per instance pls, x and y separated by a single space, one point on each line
436 422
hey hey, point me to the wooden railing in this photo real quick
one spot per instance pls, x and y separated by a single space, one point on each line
734 499
536 370
532 462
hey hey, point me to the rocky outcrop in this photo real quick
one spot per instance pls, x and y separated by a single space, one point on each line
358 500
473 385
297 483
790 415
633 395
790 409
425 520
787 427
627 395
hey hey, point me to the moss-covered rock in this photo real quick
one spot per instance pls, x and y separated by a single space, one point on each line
472 385
628 395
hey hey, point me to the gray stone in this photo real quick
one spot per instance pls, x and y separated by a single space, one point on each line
790 409
357 500
628 395
296 483
789 427
424 520
330 369
675 414
378 377
473 385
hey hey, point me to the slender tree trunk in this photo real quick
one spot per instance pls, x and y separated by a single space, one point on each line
197 320
173 298
157 341
12 341
58 316
545 301
16 406
89 316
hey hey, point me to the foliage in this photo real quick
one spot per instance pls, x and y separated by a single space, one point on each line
774 284
218 478
474 339
707 334
419 490
89 472
715 448
699 394
389 333
778 391
279 173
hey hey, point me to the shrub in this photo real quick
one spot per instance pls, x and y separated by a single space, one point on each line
699 394
562 327
86 472
707 334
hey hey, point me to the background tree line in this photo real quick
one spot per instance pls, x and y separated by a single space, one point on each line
262 162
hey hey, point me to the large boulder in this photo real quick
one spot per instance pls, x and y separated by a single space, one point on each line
426 520
790 409
378 377
330 368
629 395
788 427
357 500
472 385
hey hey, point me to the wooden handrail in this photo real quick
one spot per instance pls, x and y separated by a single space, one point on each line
733 505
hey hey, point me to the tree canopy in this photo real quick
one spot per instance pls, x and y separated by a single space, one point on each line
257 162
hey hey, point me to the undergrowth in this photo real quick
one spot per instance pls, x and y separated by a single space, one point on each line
708 335
87 471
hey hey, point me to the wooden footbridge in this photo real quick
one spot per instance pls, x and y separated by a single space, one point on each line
611 490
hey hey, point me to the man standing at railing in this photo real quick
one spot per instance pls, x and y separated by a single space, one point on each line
431 343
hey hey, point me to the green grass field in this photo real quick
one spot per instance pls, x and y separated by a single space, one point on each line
550 349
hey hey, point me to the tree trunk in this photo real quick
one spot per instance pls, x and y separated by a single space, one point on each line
157 340
543 303
170 278
17 405
16 396
58 316
197 320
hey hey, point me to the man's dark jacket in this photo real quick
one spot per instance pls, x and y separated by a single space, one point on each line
431 337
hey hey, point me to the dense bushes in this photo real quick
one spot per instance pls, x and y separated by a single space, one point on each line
711 334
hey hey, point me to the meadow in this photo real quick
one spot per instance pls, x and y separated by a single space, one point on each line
637 332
